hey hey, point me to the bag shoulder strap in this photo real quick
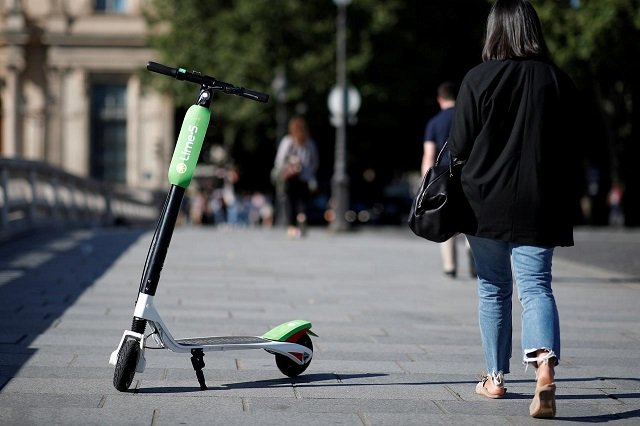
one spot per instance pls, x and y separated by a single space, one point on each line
441 153
452 162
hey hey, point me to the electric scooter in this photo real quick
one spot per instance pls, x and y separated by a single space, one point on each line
289 342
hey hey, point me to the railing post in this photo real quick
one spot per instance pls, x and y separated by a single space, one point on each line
4 214
55 183
108 204
89 219
74 202
33 205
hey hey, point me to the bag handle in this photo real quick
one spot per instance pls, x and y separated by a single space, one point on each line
441 153
452 162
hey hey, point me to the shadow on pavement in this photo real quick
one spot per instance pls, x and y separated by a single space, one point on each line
334 379
605 418
41 276
313 379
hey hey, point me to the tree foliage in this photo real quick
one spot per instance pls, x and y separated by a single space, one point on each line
596 41
248 41
398 52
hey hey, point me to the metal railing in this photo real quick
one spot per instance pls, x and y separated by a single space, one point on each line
35 194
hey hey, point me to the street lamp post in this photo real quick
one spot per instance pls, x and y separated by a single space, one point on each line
279 86
340 179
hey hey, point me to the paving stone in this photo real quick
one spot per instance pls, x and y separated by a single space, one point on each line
343 405
22 400
75 416
64 386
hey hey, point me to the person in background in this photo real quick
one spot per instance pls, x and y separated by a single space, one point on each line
296 164
516 126
435 135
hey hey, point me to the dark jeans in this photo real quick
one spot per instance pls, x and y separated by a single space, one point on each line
297 193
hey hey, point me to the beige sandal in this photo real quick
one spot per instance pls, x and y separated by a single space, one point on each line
482 390
543 405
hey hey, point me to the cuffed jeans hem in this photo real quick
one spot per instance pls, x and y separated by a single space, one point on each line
497 377
530 358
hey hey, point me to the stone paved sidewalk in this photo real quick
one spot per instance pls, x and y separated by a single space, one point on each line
398 344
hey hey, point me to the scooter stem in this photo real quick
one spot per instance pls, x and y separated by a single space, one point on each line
181 170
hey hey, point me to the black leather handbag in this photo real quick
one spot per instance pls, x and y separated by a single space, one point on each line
440 209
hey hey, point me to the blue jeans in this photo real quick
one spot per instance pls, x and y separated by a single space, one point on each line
497 262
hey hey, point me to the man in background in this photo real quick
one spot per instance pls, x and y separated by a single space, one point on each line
435 135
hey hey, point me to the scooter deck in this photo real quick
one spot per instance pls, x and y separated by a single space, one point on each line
222 340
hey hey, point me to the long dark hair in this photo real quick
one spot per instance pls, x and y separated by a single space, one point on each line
513 31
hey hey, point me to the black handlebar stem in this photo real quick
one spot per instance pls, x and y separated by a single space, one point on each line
207 81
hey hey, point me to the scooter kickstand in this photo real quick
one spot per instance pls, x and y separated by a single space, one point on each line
198 364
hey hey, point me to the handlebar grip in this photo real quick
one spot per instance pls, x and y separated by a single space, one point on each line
162 69
253 95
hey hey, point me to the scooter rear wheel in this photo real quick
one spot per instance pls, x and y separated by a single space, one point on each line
290 368
126 365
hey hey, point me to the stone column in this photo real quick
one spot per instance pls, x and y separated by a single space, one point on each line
34 136
54 153
157 137
11 102
76 144
16 37
136 169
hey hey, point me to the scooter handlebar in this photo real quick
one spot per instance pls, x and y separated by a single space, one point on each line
162 69
253 95
198 78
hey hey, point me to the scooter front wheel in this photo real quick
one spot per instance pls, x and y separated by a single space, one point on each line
290 368
126 365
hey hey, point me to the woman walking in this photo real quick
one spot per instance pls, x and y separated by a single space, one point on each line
296 164
515 127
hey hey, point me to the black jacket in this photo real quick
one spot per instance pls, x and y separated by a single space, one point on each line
516 125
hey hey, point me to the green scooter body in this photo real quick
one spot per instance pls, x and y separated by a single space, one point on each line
189 145
288 329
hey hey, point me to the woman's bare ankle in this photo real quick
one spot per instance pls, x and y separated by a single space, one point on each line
545 373
545 367
493 388
494 383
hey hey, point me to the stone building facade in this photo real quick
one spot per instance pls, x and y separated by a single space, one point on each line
71 93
